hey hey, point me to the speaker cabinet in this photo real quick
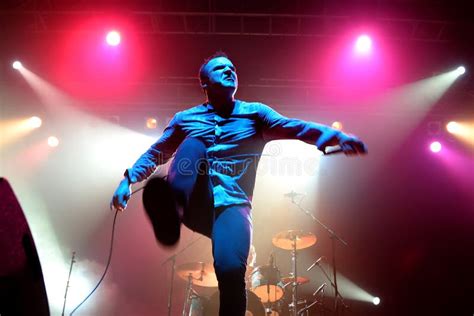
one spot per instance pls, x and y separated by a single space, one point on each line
22 290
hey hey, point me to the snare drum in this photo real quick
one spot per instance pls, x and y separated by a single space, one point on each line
266 283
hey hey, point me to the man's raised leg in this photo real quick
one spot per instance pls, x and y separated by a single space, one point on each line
167 201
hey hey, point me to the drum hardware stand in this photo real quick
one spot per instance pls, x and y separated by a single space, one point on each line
68 279
294 295
334 237
307 307
333 285
294 285
316 301
172 258
270 307
304 311
189 292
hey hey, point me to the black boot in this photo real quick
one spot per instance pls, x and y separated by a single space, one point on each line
160 206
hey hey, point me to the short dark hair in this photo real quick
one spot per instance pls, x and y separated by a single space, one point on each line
202 74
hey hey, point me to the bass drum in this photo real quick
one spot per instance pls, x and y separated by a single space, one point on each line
266 283
254 305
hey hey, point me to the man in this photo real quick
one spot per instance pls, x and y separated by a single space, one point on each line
217 146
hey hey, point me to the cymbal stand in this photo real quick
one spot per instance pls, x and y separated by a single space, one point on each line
294 296
68 279
189 291
334 237
172 258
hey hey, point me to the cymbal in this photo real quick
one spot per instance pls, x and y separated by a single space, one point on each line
300 280
202 274
287 238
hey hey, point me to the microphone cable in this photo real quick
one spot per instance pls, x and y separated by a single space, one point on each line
109 259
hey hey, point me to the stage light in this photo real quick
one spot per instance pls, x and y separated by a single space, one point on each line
337 125
460 70
151 123
376 301
435 147
17 65
363 44
462 130
113 38
34 122
453 127
53 141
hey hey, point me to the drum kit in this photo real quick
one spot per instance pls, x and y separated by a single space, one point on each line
266 288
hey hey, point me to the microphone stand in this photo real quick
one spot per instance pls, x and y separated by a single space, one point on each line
172 258
334 237
68 279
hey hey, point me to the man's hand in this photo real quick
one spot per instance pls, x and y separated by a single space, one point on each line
352 145
121 196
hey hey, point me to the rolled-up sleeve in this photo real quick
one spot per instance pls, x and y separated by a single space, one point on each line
277 126
159 153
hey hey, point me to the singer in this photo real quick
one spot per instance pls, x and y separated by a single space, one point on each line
217 147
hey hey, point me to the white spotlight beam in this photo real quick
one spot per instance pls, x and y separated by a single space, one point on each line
463 131
92 152
351 291
404 108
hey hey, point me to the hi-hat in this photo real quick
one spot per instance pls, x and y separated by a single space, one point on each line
288 239
202 274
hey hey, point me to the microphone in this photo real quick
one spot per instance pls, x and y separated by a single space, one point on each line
292 194
332 150
316 263
321 288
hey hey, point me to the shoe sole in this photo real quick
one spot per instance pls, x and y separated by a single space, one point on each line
160 207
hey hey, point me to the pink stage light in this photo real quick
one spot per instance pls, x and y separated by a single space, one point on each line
17 65
435 147
363 45
113 38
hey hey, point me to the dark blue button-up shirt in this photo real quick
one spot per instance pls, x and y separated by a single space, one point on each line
234 144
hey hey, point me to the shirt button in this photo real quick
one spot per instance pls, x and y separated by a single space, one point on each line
218 131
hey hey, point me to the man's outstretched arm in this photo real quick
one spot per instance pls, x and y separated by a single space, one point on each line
277 126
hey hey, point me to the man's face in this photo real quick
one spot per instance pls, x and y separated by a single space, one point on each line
222 74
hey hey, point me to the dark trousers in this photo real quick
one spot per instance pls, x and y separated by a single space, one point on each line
230 228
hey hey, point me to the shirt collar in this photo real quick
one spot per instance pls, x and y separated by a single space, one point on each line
210 107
